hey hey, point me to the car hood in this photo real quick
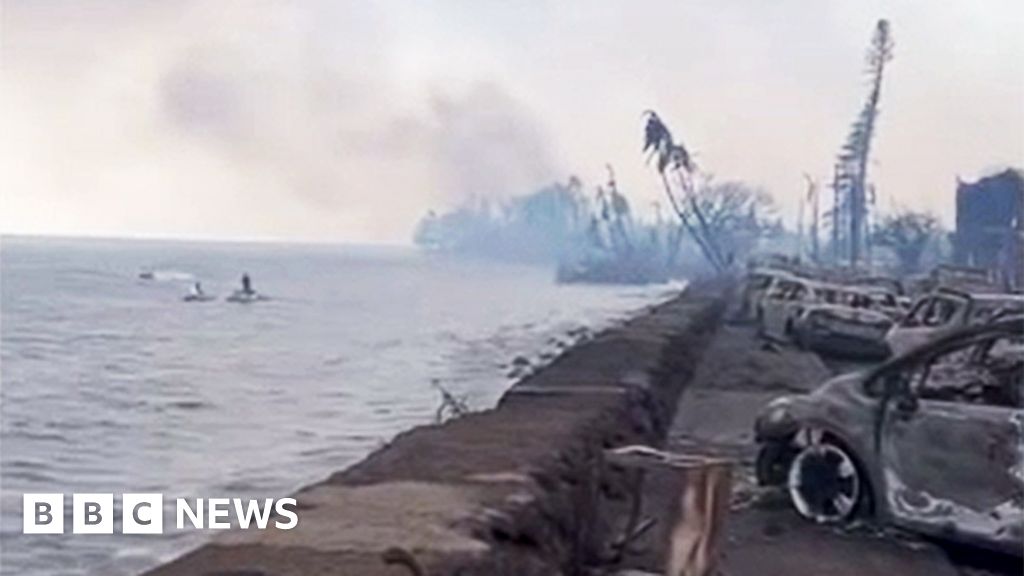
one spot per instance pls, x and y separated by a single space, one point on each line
839 399
842 385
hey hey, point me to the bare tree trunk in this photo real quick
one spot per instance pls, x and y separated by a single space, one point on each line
709 239
815 205
837 224
689 227
675 238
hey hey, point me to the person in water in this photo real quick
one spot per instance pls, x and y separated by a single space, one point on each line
246 283
197 289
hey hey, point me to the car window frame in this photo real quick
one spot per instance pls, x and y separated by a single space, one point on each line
779 291
958 306
901 364
910 320
798 293
913 379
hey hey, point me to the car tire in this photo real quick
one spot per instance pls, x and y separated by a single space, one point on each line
826 484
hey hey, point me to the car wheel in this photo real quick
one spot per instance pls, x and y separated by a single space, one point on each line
825 484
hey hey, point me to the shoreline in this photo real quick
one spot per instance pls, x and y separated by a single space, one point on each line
518 489
281 395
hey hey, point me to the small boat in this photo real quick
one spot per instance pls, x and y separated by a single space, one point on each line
243 297
199 297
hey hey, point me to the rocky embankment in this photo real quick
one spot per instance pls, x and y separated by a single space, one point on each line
519 490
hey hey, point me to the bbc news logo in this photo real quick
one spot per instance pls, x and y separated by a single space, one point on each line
144 513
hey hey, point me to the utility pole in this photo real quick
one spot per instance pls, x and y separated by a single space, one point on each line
812 198
800 229
837 220
868 226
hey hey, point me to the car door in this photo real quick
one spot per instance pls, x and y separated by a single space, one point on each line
931 317
903 336
951 452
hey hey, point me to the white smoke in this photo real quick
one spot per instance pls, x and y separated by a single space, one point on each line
237 118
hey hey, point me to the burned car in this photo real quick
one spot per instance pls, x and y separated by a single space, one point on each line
946 310
784 300
759 281
845 322
930 441
828 318
890 303
843 331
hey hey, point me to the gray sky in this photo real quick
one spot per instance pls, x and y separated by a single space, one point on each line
310 120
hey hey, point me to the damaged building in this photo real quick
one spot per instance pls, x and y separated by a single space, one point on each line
990 225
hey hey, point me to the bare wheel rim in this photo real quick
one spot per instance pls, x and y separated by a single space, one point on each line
823 483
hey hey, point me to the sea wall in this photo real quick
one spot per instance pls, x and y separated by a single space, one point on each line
518 490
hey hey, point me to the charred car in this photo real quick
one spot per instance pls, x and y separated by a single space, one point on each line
783 302
827 318
890 303
759 281
930 441
946 310
852 327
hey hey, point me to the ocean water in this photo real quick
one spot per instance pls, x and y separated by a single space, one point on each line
111 383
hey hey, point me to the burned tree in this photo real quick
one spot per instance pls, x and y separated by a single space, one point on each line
907 234
614 211
735 216
672 155
851 198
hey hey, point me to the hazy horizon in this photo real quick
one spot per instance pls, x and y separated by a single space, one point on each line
345 122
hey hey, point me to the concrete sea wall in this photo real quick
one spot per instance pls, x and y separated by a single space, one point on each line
521 489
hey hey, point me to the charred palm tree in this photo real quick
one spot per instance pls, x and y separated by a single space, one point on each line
685 171
854 156
620 214
683 217
659 144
